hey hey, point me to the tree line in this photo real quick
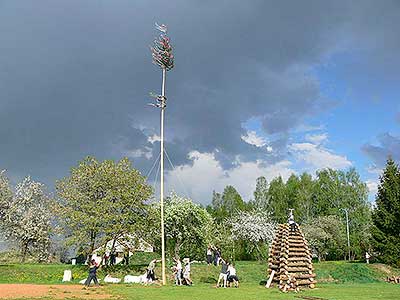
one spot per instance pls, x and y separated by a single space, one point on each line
318 203
104 200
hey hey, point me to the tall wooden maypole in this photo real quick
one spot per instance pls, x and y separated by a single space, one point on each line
162 57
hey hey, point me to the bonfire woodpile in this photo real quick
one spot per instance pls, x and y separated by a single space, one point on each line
393 279
290 261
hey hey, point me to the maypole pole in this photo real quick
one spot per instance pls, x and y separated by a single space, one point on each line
163 57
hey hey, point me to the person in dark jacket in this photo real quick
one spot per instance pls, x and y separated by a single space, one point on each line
92 273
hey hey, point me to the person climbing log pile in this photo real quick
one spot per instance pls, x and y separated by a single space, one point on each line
290 261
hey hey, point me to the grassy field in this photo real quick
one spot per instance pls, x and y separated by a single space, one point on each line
337 280
331 291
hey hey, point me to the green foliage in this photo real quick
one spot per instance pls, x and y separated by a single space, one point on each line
279 203
188 226
100 201
227 204
386 216
330 193
326 236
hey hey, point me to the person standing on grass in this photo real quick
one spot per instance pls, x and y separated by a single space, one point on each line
186 272
232 277
224 273
217 256
178 271
92 273
209 255
150 270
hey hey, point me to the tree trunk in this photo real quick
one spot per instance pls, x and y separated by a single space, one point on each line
24 250
177 248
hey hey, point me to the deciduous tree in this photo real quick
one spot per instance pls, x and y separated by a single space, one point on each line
26 217
100 201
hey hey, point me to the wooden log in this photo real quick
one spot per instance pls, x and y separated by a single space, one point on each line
297 245
297 269
299 264
296 239
303 276
298 249
270 279
271 266
299 254
299 259
305 282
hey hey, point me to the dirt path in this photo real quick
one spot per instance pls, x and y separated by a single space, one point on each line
31 291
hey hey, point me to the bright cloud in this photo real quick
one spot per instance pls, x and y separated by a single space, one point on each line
318 157
154 138
206 174
372 186
253 139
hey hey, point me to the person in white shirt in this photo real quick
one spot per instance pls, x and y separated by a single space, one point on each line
232 277
186 271
178 274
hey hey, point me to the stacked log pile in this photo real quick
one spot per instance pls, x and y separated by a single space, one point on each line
290 261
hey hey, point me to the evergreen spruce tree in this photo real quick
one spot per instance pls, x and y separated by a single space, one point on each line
386 216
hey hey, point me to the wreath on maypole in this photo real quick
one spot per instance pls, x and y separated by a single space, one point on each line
162 49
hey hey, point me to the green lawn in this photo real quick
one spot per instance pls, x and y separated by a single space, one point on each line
337 280
253 292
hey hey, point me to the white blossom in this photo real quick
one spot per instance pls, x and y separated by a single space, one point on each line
26 218
254 227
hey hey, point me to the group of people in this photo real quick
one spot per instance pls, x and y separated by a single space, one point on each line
181 271
213 255
227 275
182 274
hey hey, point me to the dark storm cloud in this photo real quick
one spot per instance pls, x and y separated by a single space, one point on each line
74 76
389 145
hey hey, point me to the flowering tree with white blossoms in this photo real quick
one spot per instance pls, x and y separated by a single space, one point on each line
254 227
5 196
26 217
188 226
